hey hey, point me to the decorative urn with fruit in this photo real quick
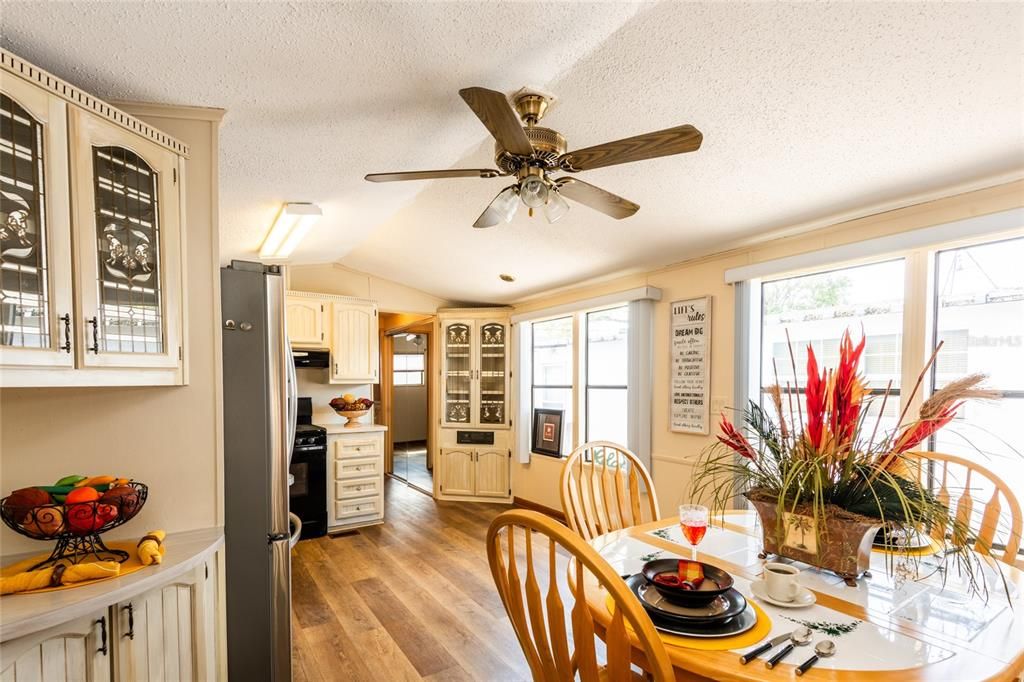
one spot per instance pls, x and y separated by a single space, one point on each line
352 408
74 511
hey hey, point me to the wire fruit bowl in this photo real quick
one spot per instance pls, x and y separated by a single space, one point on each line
77 526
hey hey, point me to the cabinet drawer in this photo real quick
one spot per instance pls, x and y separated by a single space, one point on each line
363 467
358 447
366 506
348 489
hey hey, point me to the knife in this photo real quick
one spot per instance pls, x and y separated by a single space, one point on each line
773 642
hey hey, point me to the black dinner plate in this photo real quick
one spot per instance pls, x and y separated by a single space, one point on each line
726 606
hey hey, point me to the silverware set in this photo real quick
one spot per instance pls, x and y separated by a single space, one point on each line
800 637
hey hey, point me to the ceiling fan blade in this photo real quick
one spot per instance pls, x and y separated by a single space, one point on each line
494 111
432 174
667 142
597 198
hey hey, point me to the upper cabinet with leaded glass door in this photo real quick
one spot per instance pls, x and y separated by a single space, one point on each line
492 373
457 372
128 247
36 308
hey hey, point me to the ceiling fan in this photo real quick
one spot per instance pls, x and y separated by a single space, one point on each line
530 153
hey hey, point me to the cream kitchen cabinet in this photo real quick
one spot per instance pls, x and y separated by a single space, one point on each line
94 290
475 369
348 327
355 345
305 317
474 472
80 649
154 624
355 477
161 634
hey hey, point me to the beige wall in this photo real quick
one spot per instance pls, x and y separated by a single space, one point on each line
169 437
391 297
673 453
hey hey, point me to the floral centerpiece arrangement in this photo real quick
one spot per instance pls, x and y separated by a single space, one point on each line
826 479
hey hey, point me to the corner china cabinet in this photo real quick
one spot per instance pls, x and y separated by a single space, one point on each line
474 438
91 230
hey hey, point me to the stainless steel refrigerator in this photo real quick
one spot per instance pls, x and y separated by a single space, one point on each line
259 429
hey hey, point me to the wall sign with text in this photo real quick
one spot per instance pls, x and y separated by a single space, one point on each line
691 364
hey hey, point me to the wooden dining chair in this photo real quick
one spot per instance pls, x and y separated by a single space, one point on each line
555 652
957 488
601 489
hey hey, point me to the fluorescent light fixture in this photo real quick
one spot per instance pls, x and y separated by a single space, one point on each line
291 225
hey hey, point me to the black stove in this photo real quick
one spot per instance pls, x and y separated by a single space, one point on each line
307 497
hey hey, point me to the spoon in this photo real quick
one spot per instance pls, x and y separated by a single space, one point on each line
800 637
822 649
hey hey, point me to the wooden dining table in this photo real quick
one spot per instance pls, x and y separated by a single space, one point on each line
904 621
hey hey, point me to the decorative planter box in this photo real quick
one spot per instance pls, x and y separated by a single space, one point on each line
843 546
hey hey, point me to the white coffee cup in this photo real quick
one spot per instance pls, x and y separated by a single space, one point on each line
781 581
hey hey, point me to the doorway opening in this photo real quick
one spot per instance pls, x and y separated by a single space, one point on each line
406 383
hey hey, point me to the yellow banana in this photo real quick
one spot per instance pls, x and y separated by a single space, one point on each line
95 480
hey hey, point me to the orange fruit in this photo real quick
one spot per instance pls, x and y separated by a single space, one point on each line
85 494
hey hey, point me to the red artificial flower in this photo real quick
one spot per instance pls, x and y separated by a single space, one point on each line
736 440
915 434
847 390
815 390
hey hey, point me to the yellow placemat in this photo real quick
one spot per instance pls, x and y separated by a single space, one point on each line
934 547
131 565
752 636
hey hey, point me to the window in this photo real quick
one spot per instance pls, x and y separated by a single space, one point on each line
969 297
408 369
552 355
593 361
816 309
607 373
978 308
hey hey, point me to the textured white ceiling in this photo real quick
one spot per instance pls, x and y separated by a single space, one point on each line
806 109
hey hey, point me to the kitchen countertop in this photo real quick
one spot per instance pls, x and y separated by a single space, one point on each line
24 614
340 428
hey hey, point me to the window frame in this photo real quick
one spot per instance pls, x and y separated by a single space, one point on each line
571 387
422 372
587 386
919 329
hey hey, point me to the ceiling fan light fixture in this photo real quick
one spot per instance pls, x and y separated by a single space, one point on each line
501 208
556 206
533 191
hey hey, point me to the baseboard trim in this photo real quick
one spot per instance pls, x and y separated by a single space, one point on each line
534 506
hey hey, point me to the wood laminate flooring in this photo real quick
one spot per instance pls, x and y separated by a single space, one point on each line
411 599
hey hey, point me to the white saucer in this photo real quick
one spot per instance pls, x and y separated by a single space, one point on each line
804 597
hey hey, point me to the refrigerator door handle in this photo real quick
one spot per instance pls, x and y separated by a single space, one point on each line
280 609
292 392
279 378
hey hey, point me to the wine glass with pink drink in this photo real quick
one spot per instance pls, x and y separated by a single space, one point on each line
693 518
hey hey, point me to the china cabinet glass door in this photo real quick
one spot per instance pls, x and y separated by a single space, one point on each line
458 372
493 350
35 239
129 258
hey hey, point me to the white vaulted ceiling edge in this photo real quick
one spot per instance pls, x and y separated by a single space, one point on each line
807 110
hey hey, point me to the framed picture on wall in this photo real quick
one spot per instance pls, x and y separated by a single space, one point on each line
547 432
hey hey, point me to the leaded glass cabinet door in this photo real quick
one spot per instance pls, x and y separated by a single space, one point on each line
36 315
492 351
128 252
457 392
